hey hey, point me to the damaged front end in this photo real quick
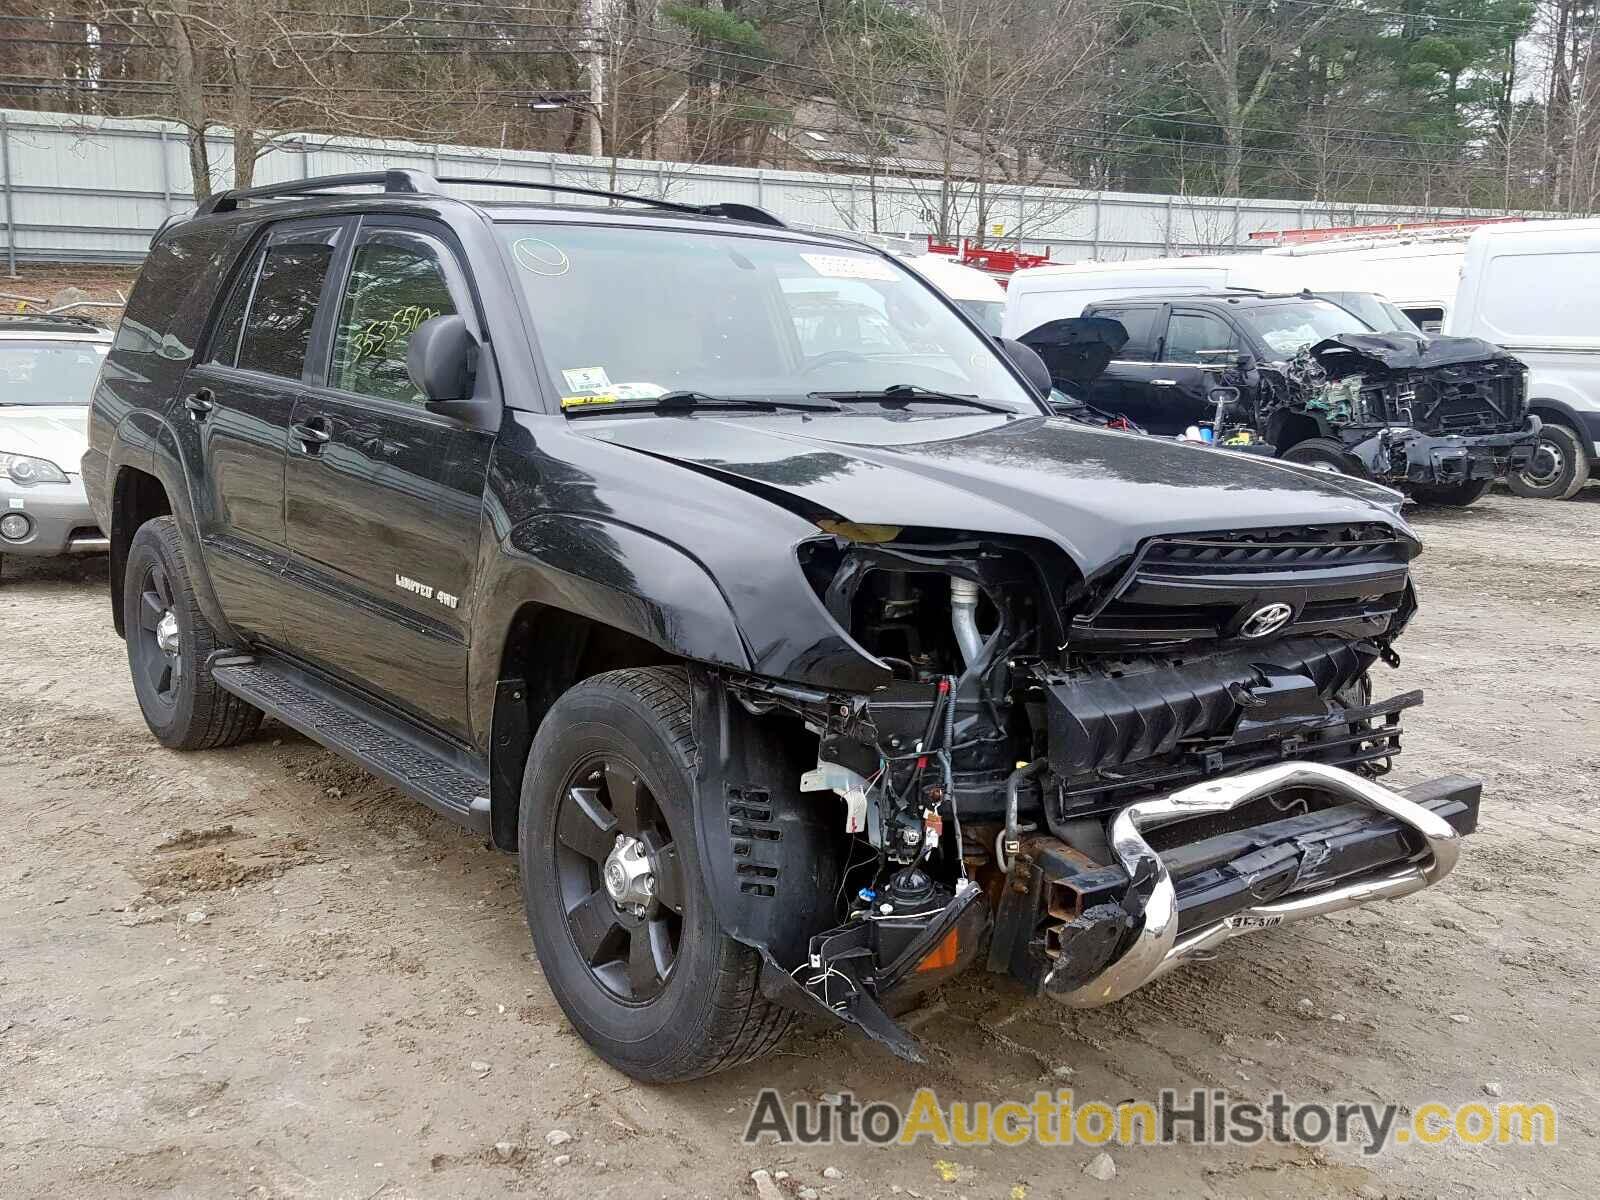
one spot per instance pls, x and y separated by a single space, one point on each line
1078 782
1439 412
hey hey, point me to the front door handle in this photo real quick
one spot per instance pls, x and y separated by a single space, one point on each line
313 434
1164 382
200 403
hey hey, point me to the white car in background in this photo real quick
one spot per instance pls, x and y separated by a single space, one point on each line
48 367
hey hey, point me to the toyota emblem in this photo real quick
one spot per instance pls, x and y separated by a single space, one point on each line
1267 619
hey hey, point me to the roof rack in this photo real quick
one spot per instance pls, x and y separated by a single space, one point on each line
408 182
393 180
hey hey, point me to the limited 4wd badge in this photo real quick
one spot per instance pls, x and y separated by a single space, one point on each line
1250 922
425 590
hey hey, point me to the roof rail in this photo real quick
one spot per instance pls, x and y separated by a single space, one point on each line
393 180
732 211
421 183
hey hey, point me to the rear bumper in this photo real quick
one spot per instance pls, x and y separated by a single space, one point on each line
59 519
1411 456
1090 934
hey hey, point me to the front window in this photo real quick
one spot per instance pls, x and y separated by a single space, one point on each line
49 372
633 313
397 282
1287 328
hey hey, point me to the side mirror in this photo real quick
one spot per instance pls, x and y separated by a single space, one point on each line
442 360
1245 363
1027 360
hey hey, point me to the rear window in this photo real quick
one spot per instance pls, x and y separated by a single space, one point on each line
277 333
47 372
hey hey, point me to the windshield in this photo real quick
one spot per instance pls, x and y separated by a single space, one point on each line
48 372
630 313
1374 310
1285 328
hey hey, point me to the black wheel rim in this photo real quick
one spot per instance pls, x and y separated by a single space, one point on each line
619 879
160 652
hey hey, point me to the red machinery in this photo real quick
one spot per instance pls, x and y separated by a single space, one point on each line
990 259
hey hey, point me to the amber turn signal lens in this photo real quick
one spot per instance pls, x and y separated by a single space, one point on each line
943 955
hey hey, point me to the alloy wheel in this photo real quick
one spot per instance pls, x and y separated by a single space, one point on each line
620 879
160 642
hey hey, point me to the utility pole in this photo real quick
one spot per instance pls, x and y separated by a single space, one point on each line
594 20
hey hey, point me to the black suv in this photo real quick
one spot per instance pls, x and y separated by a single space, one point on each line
735 580
1440 417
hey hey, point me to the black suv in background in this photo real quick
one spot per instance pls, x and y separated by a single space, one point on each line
1441 417
801 668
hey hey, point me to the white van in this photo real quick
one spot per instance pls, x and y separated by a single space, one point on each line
1530 288
1039 294
1418 274
976 293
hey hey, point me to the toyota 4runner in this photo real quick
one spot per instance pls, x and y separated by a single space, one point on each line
743 587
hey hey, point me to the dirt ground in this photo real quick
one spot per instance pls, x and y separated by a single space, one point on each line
260 973
41 282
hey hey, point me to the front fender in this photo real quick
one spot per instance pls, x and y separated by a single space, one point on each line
610 573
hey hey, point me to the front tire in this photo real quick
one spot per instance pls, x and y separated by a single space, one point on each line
1558 469
1449 495
612 884
169 641
1325 454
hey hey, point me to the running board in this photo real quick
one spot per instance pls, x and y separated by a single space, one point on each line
422 766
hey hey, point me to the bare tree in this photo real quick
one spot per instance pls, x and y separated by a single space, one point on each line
1238 48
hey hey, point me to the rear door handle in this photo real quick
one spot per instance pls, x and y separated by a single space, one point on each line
200 402
313 434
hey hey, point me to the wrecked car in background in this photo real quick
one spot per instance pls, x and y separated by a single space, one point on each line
1441 418
757 603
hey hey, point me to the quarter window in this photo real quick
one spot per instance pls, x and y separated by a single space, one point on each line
397 281
277 333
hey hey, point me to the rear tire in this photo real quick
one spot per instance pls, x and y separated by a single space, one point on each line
1326 454
1559 467
661 993
1449 495
169 641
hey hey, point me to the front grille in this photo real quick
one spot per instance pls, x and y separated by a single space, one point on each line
1343 579
1294 548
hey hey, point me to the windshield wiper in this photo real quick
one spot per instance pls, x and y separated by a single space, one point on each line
686 400
901 393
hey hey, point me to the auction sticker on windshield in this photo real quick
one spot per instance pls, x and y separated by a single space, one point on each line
849 266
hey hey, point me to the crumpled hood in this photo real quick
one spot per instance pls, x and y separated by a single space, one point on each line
1095 493
1346 353
58 432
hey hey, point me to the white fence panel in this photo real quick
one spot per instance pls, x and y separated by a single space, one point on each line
93 189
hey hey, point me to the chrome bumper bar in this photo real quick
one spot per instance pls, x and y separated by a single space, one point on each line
1156 948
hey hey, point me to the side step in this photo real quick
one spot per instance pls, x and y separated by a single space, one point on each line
422 766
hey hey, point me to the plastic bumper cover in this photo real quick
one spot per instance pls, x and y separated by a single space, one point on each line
59 518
